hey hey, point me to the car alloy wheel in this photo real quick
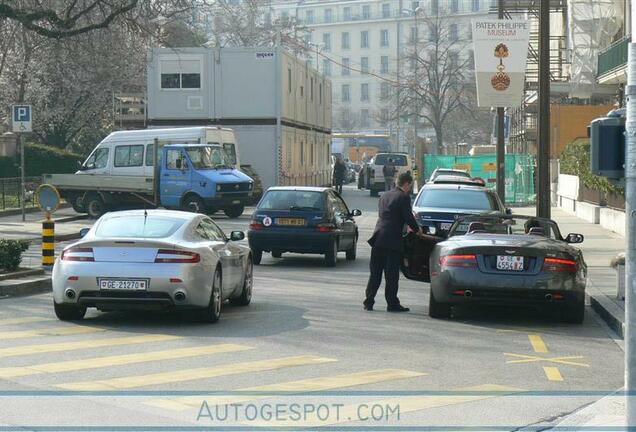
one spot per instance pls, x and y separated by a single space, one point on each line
216 296
248 282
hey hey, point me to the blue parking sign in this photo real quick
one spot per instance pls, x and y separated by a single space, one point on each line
22 118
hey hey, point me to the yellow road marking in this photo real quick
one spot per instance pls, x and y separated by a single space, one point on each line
55 331
117 360
537 343
301 386
23 320
552 373
193 374
349 413
77 345
562 360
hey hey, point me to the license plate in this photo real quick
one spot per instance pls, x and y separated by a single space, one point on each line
510 263
236 202
445 226
291 221
123 284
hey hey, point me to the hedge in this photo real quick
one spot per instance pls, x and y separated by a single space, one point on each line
40 159
575 160
11 253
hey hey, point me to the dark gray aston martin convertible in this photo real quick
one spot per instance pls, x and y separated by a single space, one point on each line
501 259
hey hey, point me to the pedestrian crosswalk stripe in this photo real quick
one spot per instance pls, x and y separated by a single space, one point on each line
350 413
55 331
118 360
84 344
181 375
301 387
24 320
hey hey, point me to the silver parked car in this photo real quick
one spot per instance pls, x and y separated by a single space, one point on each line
153 260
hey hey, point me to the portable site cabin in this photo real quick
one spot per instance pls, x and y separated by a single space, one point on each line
278 106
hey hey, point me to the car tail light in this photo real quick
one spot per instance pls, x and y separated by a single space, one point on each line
73 278
326 227
256 226
467 260
559 264
78 254
176 256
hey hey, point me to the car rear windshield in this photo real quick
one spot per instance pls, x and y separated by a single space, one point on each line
138 226
292 200
452 173
398 160
457 199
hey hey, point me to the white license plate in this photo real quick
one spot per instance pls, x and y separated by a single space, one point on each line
236 202
445 226
123 284
509 263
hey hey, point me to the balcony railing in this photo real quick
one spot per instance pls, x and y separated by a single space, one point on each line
613 57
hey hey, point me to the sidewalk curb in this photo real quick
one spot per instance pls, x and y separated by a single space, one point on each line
609 312
21 274
13 212
18 287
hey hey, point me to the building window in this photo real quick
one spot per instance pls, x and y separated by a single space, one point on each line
346 93
364 65
289 80
346 65
469 34
366 12
453 32
326 67
384 90
284 14
434 7
364 118
384 38
364 39
311 89
384 117
346 12
386 10
412 63
326 41
413 38
433 33
453 59
384 64
307 38
475 6
180 74
415 5
345 41
454 6
320 94
328 16
309 17
364 92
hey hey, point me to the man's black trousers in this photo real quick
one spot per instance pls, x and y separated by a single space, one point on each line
385 261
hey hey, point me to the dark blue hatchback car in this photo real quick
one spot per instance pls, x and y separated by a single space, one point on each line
313 220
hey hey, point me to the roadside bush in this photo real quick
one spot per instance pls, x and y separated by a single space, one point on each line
40 159
11 253
575 160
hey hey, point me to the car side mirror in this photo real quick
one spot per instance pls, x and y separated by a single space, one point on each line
356 212
574 238
237 235
84 231
508 211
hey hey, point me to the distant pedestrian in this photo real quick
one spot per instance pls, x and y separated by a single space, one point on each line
339 173
389 174
394 211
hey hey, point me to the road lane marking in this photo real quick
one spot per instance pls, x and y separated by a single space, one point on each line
181 375
562 360
301 387
349 413
537 343
24 320
55 331
118 360
552 373
85 344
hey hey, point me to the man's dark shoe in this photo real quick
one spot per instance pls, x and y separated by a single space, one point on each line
398 308
368 307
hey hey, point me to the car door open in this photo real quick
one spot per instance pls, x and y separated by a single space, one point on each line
415 258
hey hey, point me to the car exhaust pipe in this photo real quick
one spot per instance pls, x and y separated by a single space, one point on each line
70 294
548 297
179 296
468 293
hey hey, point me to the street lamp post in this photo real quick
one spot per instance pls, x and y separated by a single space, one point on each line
416 40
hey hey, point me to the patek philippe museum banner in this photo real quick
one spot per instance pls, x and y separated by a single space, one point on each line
501 49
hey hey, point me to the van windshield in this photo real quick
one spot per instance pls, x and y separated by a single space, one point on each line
207 157
397 159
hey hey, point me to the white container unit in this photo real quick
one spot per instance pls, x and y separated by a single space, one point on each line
279 108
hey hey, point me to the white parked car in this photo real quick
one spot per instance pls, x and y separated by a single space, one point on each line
401 161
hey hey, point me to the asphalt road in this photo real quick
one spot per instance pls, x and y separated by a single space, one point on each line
304 340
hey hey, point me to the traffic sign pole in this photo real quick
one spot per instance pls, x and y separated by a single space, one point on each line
22 181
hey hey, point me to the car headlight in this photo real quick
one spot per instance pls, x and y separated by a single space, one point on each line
218 188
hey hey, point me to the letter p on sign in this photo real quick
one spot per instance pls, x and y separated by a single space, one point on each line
22 118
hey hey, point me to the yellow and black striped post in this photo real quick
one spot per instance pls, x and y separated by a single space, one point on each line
48 241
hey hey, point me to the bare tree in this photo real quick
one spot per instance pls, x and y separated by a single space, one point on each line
345 120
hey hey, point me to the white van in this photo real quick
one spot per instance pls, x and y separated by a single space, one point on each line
130 153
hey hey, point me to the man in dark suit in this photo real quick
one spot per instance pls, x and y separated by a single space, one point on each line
386 243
